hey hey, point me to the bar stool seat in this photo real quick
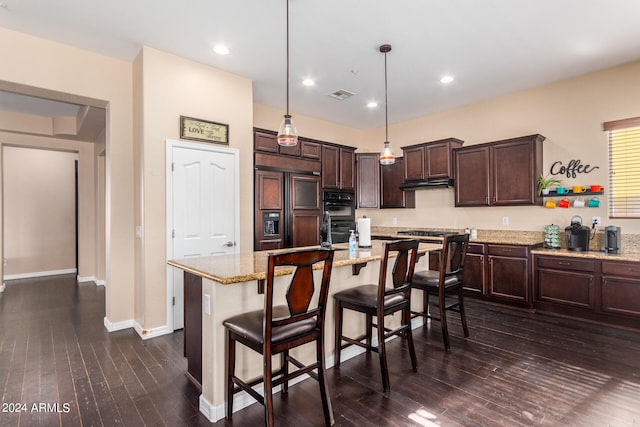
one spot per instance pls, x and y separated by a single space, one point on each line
250 326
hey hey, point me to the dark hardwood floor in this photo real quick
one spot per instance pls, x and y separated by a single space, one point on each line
515 369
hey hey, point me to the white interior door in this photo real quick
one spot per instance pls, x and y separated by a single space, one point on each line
204 218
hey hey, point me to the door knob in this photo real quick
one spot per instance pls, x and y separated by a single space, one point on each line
230 243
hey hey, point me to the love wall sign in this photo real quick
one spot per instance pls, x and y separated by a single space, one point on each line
573 168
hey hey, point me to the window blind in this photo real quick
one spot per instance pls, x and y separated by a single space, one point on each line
624 168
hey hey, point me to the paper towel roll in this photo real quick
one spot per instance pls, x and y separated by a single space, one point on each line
364 232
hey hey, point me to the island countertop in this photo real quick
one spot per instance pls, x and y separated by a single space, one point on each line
247 266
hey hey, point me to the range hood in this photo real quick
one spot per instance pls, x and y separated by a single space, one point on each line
429 183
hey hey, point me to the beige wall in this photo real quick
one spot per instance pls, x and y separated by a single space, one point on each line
569 114
171 86
87 267
105 82
39 215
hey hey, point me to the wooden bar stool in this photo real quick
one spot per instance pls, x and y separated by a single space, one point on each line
276 330
446 281
380 301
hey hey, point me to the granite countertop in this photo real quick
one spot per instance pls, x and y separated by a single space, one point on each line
628 255
519 238
247 266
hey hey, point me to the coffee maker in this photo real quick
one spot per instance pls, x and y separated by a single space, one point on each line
612 239
577 235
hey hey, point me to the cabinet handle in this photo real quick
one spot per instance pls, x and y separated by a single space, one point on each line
506 250
563 263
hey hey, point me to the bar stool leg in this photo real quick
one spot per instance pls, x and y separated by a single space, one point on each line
284 363
463 316
338 322
382 353
322 380
231 367
443 322
406 314
268 390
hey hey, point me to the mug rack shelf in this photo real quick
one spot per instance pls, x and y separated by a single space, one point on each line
570 193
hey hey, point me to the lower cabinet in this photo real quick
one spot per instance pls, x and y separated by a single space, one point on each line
496 272
592 289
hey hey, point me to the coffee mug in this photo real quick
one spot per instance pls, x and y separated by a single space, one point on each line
579 203
550 204
594 202
596 188
564 203
579 189
561 190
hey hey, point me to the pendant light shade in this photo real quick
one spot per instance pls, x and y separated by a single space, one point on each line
287 132
387 157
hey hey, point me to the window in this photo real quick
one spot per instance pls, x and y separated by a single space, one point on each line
624 167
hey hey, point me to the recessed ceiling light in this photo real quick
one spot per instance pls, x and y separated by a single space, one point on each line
308 82
446 79
372 104
221 50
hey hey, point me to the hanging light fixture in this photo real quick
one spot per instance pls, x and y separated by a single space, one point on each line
287 133
387 157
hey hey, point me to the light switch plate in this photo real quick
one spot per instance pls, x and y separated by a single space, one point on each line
206 304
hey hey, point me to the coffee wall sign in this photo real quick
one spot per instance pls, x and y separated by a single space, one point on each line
572 169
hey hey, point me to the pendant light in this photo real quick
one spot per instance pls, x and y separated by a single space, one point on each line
387 157
287 133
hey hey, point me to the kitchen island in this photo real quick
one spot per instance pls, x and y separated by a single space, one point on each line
218 287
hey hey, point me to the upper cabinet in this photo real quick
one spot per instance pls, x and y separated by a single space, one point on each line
391 176
429 160
368 180
338 167
499 173
265 141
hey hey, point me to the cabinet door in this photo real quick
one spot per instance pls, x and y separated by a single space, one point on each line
508 278
330 167
438 160
347 169
414 163
391 176
473 277
310 149
471 181
368 180
514 174
265 142
565 287
269 187
621 296
305 211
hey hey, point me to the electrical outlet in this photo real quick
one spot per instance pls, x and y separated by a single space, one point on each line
595 221
505 220
394 220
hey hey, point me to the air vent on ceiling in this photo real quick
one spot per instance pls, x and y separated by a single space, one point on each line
341 94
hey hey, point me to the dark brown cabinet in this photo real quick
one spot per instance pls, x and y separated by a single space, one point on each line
429 160
508 273
621 288
338 167
499 173
391 176
265 141
368 180
598 290
474 278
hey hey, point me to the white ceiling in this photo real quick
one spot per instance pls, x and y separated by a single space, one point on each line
491 47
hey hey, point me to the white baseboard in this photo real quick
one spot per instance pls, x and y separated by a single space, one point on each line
81 279
101 282
39 274
145 334
3 287
117 326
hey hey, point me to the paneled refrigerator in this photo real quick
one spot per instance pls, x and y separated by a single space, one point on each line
288 209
